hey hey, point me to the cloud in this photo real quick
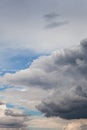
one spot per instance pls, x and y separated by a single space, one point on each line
56 24
71 104
11 118
55 123
52 21
51 16
84 127
80 124
21 23
25 97
50 123
49 71
64 74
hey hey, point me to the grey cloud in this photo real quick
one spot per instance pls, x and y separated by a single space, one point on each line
51 16
56 24
9 112
83 127
69 104
64 73
12 123
11 118
53 71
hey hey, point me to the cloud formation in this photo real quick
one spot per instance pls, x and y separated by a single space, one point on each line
64 74
51 16
71 101
11 118
76 125
56 24
71 104
52 21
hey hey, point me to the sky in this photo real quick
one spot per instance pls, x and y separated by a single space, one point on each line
43 63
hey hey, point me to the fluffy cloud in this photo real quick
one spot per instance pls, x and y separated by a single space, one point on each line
69 104
64 74
60 69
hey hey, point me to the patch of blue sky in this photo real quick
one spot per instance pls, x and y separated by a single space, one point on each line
9 105
3 88
22 61
2 72
17 60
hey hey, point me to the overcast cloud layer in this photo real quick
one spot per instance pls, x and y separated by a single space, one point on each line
64 74
42 25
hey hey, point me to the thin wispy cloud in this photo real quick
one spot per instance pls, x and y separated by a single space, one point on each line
53 21
56 24
51 16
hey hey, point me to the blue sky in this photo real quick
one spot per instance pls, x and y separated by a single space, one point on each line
14 60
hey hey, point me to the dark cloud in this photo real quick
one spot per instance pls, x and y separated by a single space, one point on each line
70 102
55 24
51 16
52 21
11 118
12 123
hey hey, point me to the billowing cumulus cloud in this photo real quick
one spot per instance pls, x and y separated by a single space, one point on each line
64 74
69 104
60 69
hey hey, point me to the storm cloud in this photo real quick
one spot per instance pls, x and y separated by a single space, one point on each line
64 74
69 104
